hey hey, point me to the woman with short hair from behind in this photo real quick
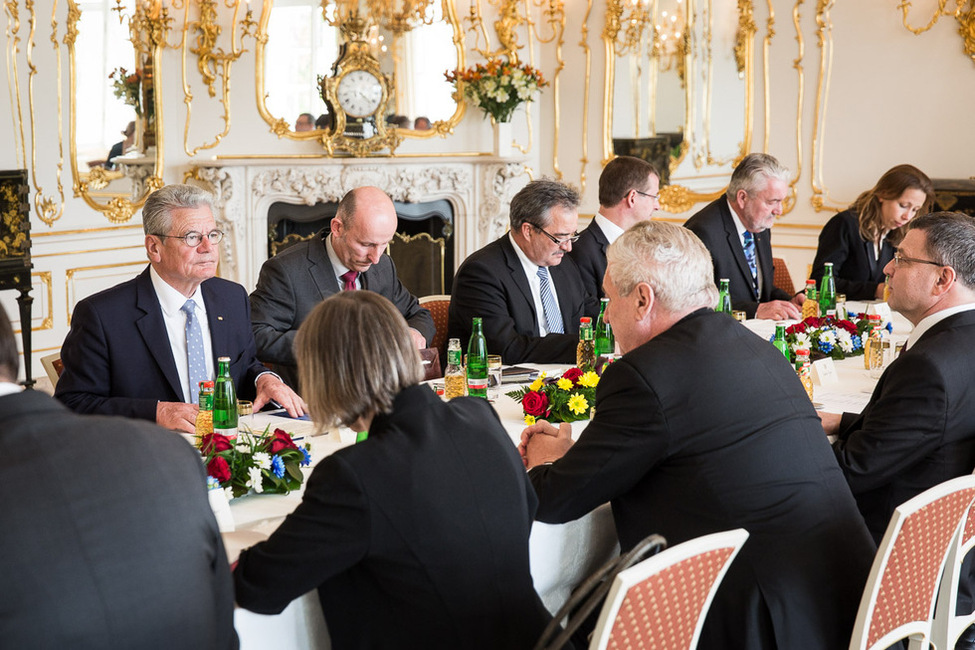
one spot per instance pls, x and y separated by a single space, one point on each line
417 536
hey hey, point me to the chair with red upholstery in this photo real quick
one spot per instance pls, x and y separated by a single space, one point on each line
662 601
781 277
948 625
438 305
899 598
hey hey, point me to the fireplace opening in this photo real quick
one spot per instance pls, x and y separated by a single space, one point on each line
422 248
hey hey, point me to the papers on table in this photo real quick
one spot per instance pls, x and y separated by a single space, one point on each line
835 401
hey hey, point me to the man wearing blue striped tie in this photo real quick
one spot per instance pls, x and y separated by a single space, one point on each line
525 288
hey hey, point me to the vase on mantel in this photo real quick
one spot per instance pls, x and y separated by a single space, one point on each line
502 138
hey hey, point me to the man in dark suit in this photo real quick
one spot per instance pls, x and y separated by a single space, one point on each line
108 537
918 429
529 295
629 191
735 229
349 256
682 446
140 348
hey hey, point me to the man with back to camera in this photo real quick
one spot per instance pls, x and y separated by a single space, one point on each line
735 230
349 256
140 348
680 445
108 538
529 295
629 190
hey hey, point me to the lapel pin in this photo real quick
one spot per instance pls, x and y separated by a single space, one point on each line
219 317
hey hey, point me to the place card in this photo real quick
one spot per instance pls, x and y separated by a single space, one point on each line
824 372
882 309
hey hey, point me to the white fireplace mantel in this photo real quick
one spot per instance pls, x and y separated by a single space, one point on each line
479 189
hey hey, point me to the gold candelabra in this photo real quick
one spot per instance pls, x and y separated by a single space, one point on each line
396 17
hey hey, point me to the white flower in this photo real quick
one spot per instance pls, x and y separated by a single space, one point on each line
827 336
802 341
242 447
845 341
262 460
255 480
229 493
502 96
524 93
488 86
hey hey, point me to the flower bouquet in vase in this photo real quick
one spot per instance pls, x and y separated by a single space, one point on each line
570 398
268 462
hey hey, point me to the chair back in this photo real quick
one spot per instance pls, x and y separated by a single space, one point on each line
438 306
948 625
662 601
899 597
781 277
53 367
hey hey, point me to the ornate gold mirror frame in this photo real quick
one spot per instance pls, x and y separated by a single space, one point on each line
146 31
282 128
618 37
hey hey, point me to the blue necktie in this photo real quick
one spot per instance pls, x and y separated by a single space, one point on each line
750 257
553 317
195 359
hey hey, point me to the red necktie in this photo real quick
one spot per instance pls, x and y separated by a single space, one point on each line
349 278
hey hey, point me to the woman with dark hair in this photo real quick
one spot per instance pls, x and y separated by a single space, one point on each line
418 536
860 241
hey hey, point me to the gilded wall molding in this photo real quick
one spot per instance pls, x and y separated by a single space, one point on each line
964 16
553 16
824 40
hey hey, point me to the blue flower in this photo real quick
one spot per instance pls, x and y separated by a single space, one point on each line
277 466
212 483
306 461
890 327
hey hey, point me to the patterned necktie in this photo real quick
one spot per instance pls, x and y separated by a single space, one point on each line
553 317
195 359
750 256
349 278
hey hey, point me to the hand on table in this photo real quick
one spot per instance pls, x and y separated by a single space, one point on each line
178 416
831 422
418 339
542 443
270 387
779 310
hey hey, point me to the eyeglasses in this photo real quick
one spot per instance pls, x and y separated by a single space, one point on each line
194 239
652 196
574 237
900 259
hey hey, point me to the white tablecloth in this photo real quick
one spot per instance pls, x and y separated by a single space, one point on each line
561 555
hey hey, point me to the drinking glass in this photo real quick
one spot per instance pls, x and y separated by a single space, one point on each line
494 377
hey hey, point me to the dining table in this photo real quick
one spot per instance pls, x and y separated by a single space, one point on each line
561 555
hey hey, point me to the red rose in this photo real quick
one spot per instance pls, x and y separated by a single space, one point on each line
214 442
572 374
219 469
847 325
535 404
281 441
813 322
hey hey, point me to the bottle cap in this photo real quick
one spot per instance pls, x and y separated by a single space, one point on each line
206 385
219 359
584 320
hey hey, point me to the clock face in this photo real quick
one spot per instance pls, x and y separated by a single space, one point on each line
359 93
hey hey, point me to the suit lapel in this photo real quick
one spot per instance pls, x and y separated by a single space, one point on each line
320 269
734 243
153 331
563 292
217 319
517 272
763 248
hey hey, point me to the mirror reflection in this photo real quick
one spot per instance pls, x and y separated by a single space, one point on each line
302 46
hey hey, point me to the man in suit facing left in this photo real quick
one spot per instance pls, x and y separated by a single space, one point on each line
735 229
681 446
140 349
108 538
527 291
350 255
629 191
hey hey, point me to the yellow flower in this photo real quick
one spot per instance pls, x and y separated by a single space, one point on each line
529 420
589 379
564 384
578 404
538 383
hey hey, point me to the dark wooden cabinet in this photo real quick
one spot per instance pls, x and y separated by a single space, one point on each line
15 264
955 195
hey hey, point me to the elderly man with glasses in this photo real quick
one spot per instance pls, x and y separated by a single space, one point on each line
525 288
140 349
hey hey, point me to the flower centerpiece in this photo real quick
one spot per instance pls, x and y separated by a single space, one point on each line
829 337
567 399
266 462
498 87
128 87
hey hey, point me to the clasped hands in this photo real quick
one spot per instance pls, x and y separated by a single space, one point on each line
542 443
181 416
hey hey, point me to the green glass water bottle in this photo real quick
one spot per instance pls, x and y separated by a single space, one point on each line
477 370
224 400
827 292
780 342
724 297
605 342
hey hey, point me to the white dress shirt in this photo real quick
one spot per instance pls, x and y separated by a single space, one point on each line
610 230
928 322
740 227
531 271
171 302
338 268
8 388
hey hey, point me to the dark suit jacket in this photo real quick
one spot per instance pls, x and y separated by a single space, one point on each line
589 254
707 428
108 538
117 358
491 283
856 271
715 227
417 537
293 282
918 429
